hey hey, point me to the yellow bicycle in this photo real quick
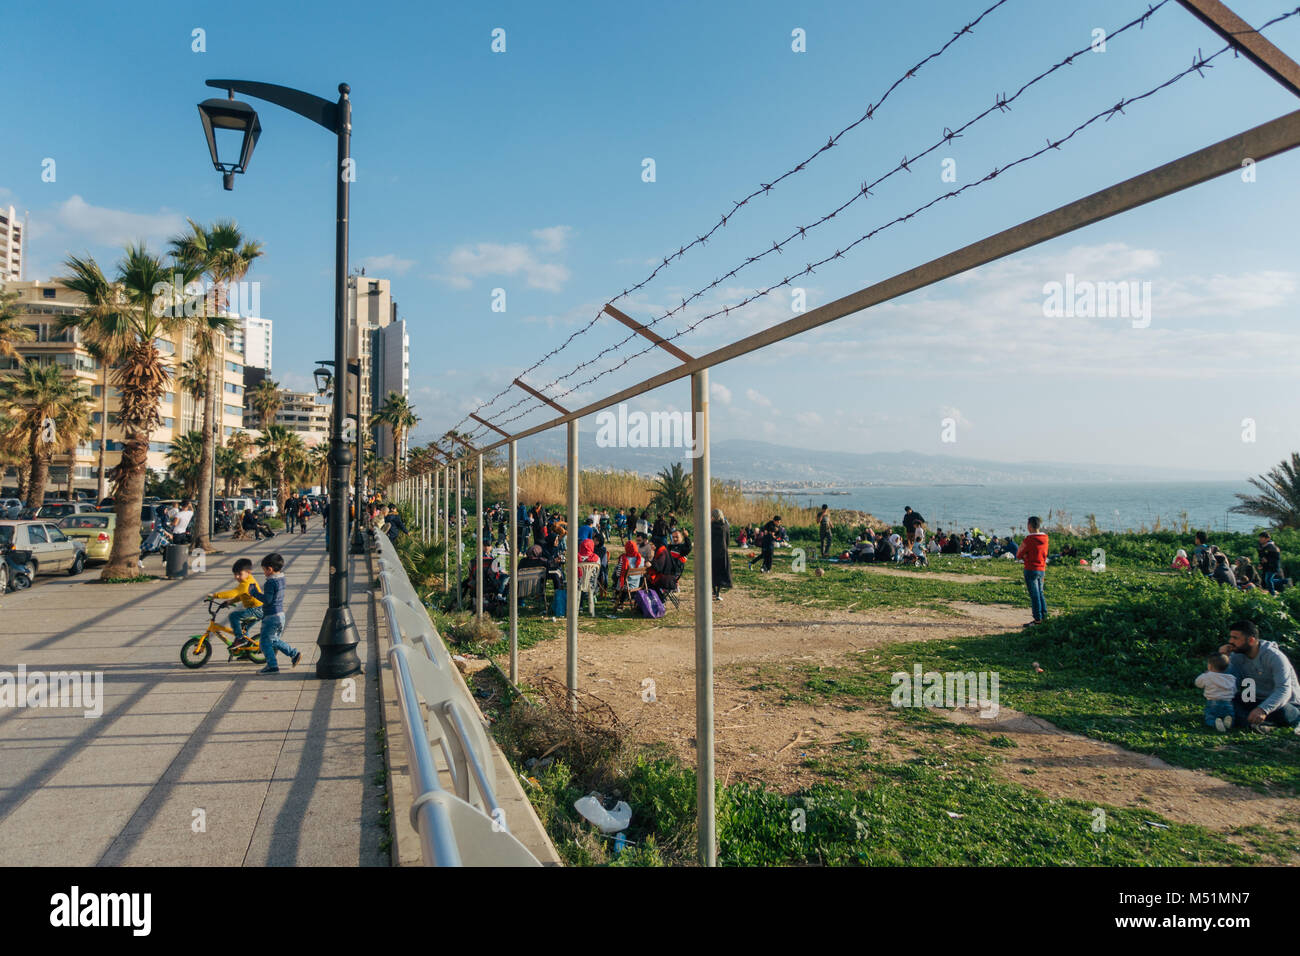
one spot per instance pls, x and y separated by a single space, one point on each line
196 651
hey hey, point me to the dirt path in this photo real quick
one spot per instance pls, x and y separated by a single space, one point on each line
762 735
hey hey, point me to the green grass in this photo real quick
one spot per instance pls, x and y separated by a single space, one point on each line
874 812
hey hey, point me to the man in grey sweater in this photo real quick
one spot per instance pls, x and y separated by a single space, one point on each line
1268 693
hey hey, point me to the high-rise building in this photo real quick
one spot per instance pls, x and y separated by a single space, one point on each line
305 413
39 306
370 308
12 236
391 359
253 339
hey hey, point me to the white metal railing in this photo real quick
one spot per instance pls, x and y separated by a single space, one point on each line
463 825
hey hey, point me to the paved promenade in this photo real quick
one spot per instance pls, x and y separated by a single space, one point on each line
217 766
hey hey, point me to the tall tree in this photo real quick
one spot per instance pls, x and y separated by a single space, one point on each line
185 460
265 401
53 415
283 456
124 317
224 255
400 417
1278 500
12 330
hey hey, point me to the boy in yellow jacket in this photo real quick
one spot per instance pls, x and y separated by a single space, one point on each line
252 607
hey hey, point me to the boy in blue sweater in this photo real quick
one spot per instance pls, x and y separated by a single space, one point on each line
272 598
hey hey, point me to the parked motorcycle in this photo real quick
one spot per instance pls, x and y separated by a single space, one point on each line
17 570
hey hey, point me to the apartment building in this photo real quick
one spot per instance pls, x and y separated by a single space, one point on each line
305 413
12 236
381 340
40 305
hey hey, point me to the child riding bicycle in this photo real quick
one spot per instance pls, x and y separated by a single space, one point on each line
252 607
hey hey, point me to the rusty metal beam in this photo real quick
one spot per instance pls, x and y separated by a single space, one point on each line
536 394
1247 41
483 421
1259 143
650 334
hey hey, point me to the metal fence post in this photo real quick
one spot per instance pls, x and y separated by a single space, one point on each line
458 533
480 539
571 571
446 526
700 475
514 564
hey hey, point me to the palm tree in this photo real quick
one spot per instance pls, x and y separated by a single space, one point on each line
283 457
231 466
12 331
318 460
186 460
671 492
232 459
222 253
1279 497
265 401
400 417
124 317
52 414
13 452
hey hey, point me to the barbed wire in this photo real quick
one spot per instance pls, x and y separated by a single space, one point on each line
1198 65
1001 105
763 189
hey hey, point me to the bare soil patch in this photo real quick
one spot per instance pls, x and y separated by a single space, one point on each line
762 736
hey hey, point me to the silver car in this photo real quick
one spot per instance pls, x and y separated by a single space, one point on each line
50 548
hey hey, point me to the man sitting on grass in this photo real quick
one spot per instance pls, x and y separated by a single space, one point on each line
1268 694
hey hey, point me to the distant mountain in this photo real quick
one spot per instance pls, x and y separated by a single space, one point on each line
770 465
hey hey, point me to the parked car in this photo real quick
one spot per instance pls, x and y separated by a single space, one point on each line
64 508
150 515
10 507
51 549
95 529
267 507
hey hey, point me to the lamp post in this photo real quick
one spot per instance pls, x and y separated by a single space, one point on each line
338 632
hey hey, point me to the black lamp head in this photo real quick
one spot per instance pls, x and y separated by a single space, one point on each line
230 114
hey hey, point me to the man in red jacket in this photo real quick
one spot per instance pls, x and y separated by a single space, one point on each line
1033 552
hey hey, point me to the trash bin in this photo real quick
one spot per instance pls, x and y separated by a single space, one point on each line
177 560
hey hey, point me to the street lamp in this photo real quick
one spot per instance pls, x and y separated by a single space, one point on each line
324 378
230 114
338 632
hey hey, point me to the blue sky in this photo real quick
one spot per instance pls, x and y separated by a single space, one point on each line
522 170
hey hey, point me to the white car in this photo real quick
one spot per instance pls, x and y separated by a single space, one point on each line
268 506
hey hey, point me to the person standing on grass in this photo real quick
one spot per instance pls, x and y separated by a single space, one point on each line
824 529
1033 552
767 542
721 532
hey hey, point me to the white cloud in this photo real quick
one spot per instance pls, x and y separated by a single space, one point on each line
720 393
389 264
809 419
467 263
758 398
553 238
113 227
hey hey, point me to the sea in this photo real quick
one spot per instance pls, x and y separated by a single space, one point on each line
997 509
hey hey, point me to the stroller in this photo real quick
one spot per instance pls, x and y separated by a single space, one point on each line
154 543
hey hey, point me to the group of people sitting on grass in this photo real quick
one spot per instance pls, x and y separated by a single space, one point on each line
1243 574
652 558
